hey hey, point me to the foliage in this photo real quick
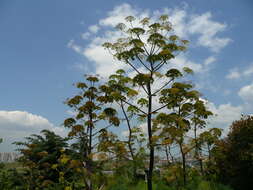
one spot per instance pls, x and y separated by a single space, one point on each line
158 109
91 121
118 183
39 154
148 47
11 179
233 155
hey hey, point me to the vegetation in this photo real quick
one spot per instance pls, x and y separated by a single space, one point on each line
153 97
233 155
151 46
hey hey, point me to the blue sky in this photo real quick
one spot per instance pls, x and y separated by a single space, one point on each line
46 46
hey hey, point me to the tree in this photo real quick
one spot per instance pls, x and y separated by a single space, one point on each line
199 122
119 87
233 155
147 48
186 107
209 138
38 154
90 109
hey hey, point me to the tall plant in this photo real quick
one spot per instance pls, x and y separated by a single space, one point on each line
147 48
91 118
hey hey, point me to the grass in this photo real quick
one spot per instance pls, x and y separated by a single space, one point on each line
121 184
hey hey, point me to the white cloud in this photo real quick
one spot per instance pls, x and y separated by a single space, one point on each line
209 60
94 28
24 119
248 71
178 21
237 73
85 35
202 30
203 26
119 13
246 93
74 46
224 115
15 125
233 74
181 61
185 24
207 28
105 64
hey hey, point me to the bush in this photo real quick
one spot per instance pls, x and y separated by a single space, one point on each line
233 155
11 179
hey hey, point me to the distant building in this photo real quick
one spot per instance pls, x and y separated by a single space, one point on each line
8 156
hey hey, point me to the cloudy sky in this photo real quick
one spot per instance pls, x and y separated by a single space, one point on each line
46 46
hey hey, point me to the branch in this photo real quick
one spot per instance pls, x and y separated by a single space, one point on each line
160 108
142 62
155 52
162 87
157 67
130 131
152 49
134 106
144 89
133 67
101 130
137 72
143 46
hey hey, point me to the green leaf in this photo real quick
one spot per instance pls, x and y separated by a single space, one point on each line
145 21
188 70
129 18
132 92
81 85
174 73
110 112
142 102
164 18
69 122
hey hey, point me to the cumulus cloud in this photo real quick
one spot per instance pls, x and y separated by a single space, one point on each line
201 29
209 60
105 64
223 117
74 46
24 119
233 74
181 61
208 29
94 28
225 114
119 13
246 93
185 24
236 73
15 125
84 36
